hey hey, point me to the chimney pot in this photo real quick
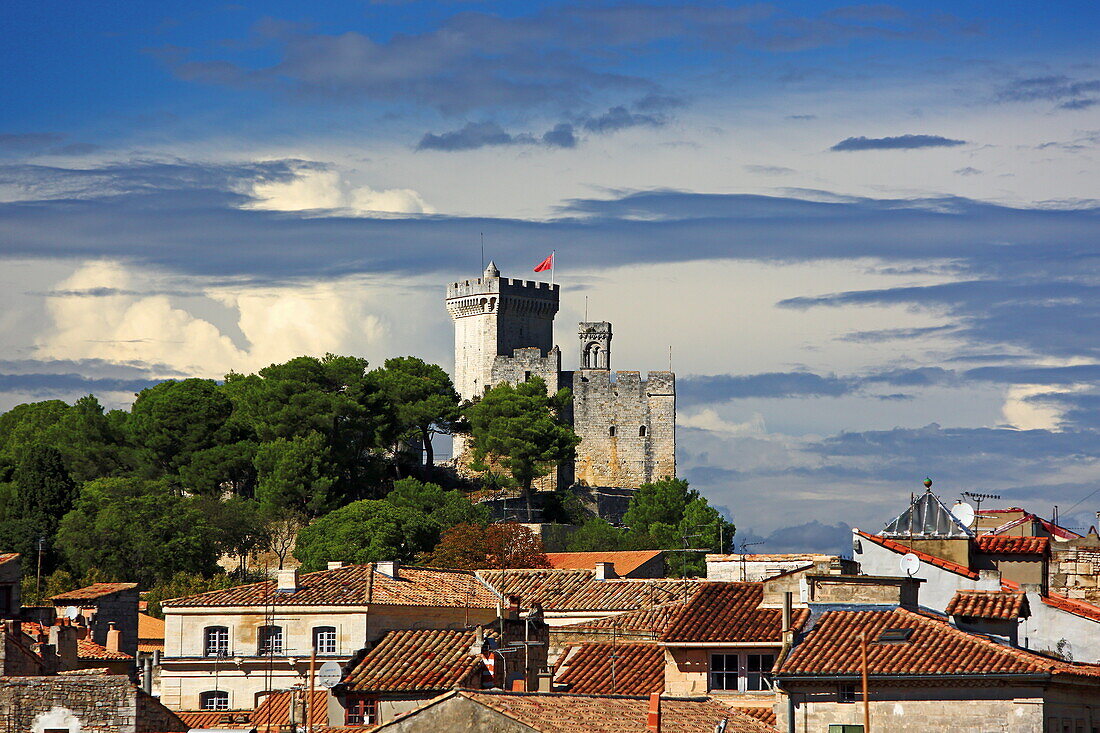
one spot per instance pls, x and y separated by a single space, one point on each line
335 564
114 637
653 720
787 611
287 581
389 568
605 571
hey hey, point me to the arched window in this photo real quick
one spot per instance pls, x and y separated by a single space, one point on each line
215 641
214 700
269 640
592 356
324 639
641 431
611 431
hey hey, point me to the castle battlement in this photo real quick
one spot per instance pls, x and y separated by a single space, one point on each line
503 286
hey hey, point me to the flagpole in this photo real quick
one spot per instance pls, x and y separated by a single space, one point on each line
553 263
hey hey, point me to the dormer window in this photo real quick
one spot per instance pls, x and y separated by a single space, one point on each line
894 636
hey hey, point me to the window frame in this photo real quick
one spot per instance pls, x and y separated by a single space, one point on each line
328 631
215 696
265 636
735 666
215 647
847 692
361 711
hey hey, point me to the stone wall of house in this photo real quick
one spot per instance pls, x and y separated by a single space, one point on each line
81 704
1074 568
627 427
120 609
10 576
458 715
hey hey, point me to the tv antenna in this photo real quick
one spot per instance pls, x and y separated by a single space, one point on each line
979 498
744 568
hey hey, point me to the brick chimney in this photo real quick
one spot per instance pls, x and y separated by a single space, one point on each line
390 568
287 581
605 571
653 719
114 637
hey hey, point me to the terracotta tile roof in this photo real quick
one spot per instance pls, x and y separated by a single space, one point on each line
578 590
215 718
612 669
6 556
417 660
623 562
730 612
1004 545
988 604
273 712
952 567
150 628
764 715
653 620
565 713
345 729
358 585
88 649
934 647
91 592
1072 605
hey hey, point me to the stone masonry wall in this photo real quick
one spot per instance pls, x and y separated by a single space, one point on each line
1075 570
84 704
627 427
121 609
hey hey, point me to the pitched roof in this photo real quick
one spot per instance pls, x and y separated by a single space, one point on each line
578 590
273 712
934 647
358 585
624 562
612 669
1005 545
566 713
91 592
215 718
926 517
1055 530
150 627
88 649
988 604
653 620
6 556
730 612
1072 605
764 715
416 660
951 567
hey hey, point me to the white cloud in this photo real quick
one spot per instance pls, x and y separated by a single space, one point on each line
330 190
709 419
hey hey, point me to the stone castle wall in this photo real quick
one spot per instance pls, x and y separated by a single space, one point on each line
81 704
1074 571
627 427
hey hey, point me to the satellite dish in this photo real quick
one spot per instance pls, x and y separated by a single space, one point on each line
329 674
72 612
964 513
910 564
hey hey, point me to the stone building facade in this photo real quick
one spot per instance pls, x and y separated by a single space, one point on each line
504 332
91 703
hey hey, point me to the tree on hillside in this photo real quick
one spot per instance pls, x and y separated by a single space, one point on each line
137 530
86 438
173 420
423 397
519 427
229 467
476 547
296 474
445 508
598 535
365 531
43 492
667 514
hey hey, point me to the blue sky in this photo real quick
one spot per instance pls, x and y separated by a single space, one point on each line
868 232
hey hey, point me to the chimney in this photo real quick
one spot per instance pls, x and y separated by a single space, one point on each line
653 720
287 581
479 642
605 571
335 564
519 685
389 568
513 608
63 640
114 636
787 611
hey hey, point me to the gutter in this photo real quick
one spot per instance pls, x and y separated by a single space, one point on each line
810 677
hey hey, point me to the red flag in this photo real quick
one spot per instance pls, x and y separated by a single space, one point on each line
546 264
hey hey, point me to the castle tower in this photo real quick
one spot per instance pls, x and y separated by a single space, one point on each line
595 345
493 317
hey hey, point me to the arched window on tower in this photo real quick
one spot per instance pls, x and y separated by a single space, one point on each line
642 431
592 356
611 431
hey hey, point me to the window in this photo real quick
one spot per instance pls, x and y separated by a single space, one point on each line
741 672
215 641
324 639
215 700
611 431
361 711
846 692
641 432
894 636
527 376
269 640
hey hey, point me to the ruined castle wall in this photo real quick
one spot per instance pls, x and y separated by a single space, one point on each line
627 427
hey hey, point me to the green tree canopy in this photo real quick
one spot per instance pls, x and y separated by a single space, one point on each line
445 508
296 474
173 420
43 492
228 467
365 531
520 428
423 398
90 444
139 530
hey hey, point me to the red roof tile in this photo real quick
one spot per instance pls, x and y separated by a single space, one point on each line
623 562
273 712
653 620
417 660
612 669
1072 605
578 590
730 612
988 604
150 628
565 713
764 715
88 649
215 718
934 647
97 590
952 567
358 585
6 556
1000 544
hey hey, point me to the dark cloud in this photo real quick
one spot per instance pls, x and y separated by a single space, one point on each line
695 390
900 142
619 118
769 170
476 135
52 384
560 137
894 334
813 536
967 171
1070 94
802 118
